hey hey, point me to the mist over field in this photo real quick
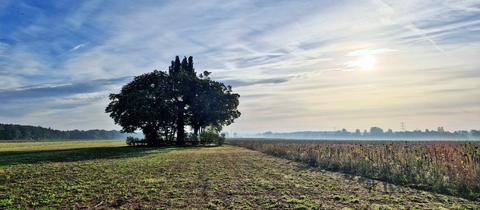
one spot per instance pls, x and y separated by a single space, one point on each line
375 133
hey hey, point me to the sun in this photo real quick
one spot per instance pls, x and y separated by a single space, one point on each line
367 62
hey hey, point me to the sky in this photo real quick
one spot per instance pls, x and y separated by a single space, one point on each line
298 65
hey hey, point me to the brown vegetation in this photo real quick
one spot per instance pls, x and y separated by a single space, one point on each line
446 167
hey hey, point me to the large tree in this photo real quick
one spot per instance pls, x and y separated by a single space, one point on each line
214 104
146 104
161 103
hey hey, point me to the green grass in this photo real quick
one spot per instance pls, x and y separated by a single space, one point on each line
105 174
12 146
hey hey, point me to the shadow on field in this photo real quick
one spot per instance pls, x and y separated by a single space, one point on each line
70 155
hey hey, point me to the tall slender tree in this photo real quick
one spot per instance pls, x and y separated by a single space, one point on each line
184 77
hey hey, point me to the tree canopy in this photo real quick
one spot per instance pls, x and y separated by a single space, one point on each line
162 104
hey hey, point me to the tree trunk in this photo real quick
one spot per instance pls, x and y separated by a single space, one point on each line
167 137
150 135
181 124
196 130
171 134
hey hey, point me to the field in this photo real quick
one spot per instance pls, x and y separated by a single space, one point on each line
449 167
106 174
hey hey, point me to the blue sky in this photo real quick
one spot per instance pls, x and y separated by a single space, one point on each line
298 65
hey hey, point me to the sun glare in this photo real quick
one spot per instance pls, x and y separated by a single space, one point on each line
366 63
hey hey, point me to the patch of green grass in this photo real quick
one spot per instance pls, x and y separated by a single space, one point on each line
302 203
106 174
12 146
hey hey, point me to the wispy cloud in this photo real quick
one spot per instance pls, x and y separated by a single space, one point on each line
60 90
240 83
76 47
364 52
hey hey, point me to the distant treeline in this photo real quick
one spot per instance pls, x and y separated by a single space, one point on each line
377 133
26 132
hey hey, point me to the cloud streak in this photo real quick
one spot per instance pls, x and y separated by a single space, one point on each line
32 93
76 47
241 83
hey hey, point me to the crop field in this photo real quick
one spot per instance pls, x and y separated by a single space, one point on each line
441 166
107 174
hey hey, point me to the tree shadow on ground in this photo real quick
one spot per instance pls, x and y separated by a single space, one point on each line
8 158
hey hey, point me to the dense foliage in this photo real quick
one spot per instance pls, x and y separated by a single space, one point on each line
446 167
26 132
162 104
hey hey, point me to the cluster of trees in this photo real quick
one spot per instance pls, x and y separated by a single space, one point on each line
26 132
379 133
162 103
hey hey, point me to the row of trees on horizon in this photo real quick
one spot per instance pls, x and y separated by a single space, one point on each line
27 132
377 133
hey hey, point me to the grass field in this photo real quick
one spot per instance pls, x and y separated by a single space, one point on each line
105 174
